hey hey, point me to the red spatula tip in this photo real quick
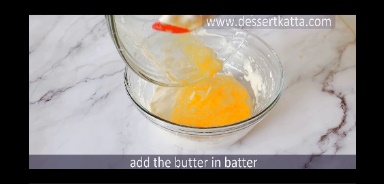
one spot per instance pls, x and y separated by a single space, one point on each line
168 28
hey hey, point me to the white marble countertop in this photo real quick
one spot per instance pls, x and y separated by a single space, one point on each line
78 103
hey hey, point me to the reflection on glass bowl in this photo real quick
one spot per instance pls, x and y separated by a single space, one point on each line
255 65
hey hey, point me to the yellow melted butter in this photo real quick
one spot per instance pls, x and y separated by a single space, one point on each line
215 100
196 54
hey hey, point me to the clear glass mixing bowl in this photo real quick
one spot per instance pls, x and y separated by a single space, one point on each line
250 60
141 47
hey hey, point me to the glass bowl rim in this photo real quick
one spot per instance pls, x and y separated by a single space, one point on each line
237 125
249 121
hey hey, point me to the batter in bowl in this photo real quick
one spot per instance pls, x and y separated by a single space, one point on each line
216 100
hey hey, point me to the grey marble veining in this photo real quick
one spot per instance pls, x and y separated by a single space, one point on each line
78 103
